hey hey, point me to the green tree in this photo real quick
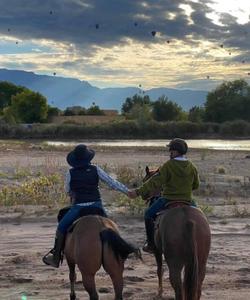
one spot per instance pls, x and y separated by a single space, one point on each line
196 114
95 111
29 107
135 100
53 112
8 116
166 110
69 112
7 90
82 111
141 113
74 111
229 101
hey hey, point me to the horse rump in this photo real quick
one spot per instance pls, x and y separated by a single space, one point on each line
119 246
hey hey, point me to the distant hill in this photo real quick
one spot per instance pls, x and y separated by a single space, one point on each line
62 92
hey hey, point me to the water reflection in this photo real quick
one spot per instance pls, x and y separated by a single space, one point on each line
199 144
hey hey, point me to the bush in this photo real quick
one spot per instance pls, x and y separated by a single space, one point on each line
130 176
134 206
44 190
127 129
235 128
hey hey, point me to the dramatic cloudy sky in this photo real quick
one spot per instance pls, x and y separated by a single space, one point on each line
193 44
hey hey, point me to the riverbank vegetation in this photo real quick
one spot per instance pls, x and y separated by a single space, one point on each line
226 113
128 129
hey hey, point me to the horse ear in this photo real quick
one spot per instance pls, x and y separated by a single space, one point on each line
147 170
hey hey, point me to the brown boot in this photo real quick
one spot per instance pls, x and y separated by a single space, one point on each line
54 257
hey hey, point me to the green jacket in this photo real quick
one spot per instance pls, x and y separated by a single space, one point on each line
176 179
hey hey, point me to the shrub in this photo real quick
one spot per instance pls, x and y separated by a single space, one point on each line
221 170
127 129
130 176
44 190
240 212
235 128
134 206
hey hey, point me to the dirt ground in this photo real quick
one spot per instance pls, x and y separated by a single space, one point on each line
26 237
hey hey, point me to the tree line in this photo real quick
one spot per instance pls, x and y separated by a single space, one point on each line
20 105
230 101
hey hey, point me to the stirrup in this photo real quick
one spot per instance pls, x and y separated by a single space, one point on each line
51 251
147 248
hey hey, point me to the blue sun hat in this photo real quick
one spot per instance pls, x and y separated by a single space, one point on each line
80 156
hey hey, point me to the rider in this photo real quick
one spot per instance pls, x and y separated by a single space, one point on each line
176 178
82 185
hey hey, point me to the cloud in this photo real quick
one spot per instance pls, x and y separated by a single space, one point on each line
101 22
111 41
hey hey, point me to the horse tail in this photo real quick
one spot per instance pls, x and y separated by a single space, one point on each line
191 268
119 246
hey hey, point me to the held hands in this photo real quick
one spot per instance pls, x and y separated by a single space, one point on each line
132 194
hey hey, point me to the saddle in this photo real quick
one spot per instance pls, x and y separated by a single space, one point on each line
169 205
85 211
174 204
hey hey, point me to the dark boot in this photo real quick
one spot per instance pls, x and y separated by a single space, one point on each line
149 244
54 257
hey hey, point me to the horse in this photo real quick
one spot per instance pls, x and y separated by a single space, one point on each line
95 242
182 235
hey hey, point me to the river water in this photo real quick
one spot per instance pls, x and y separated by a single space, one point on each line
215 144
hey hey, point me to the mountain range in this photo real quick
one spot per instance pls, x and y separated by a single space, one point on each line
64 92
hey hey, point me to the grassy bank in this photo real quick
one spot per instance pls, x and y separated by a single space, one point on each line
127 130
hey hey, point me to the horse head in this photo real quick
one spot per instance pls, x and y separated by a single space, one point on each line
149 173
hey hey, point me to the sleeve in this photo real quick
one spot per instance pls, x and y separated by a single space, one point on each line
111 182
152 185
196 182
67 183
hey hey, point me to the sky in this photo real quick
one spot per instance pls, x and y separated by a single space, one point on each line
186 44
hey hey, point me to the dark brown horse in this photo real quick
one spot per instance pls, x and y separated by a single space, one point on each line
182 236
95 242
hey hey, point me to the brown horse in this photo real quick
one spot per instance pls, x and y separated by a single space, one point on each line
182 236
95 242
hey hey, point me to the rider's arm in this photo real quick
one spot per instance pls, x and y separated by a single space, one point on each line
111 182
196 182
67 183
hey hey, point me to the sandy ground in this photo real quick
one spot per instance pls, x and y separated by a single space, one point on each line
25 238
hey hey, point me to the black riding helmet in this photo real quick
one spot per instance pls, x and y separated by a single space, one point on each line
178 145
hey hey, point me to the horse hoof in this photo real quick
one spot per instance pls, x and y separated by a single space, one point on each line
72 297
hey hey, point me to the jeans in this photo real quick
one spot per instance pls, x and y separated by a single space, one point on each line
73 215
158 205
151 211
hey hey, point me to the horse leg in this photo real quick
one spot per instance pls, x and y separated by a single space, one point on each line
158 257
202 273
114 267
115 271
89 285
175 280
117 280
72 278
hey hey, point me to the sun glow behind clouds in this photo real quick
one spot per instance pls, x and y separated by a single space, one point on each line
237 8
